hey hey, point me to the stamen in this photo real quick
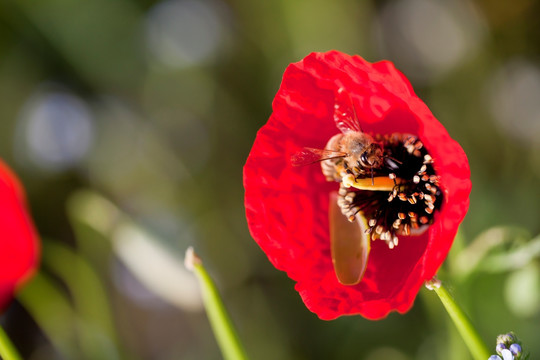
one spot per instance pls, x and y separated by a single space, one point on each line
396 197
406 229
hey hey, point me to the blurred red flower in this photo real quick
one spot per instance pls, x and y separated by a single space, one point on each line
19 244
287 207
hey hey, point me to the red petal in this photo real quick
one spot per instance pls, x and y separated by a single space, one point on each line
19 245
287 207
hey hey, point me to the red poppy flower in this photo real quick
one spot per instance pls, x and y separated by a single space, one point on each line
19 245
287 207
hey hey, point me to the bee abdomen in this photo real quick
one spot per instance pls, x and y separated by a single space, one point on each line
330 167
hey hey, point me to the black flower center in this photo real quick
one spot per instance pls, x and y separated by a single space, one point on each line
409 207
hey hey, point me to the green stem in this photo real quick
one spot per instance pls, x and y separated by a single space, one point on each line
469 334
7 350
222 326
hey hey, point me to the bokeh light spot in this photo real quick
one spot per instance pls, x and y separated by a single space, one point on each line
185 32
56 129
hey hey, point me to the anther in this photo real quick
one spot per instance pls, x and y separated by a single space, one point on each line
392 176
355 210
409 141
406 229
416 179
396 224
372 222
428 159
424 219
412 200
379 229
422 169
401 216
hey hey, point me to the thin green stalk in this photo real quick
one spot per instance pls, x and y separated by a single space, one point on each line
469 334
222 326
7 350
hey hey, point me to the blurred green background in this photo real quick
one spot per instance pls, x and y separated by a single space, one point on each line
129 122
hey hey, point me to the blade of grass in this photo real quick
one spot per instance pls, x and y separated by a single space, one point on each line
220 321
469 334
7 349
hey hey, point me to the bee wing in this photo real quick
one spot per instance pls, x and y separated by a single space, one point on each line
350 245
344 113
309 155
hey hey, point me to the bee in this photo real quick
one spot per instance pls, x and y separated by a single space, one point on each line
348 157
351 151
